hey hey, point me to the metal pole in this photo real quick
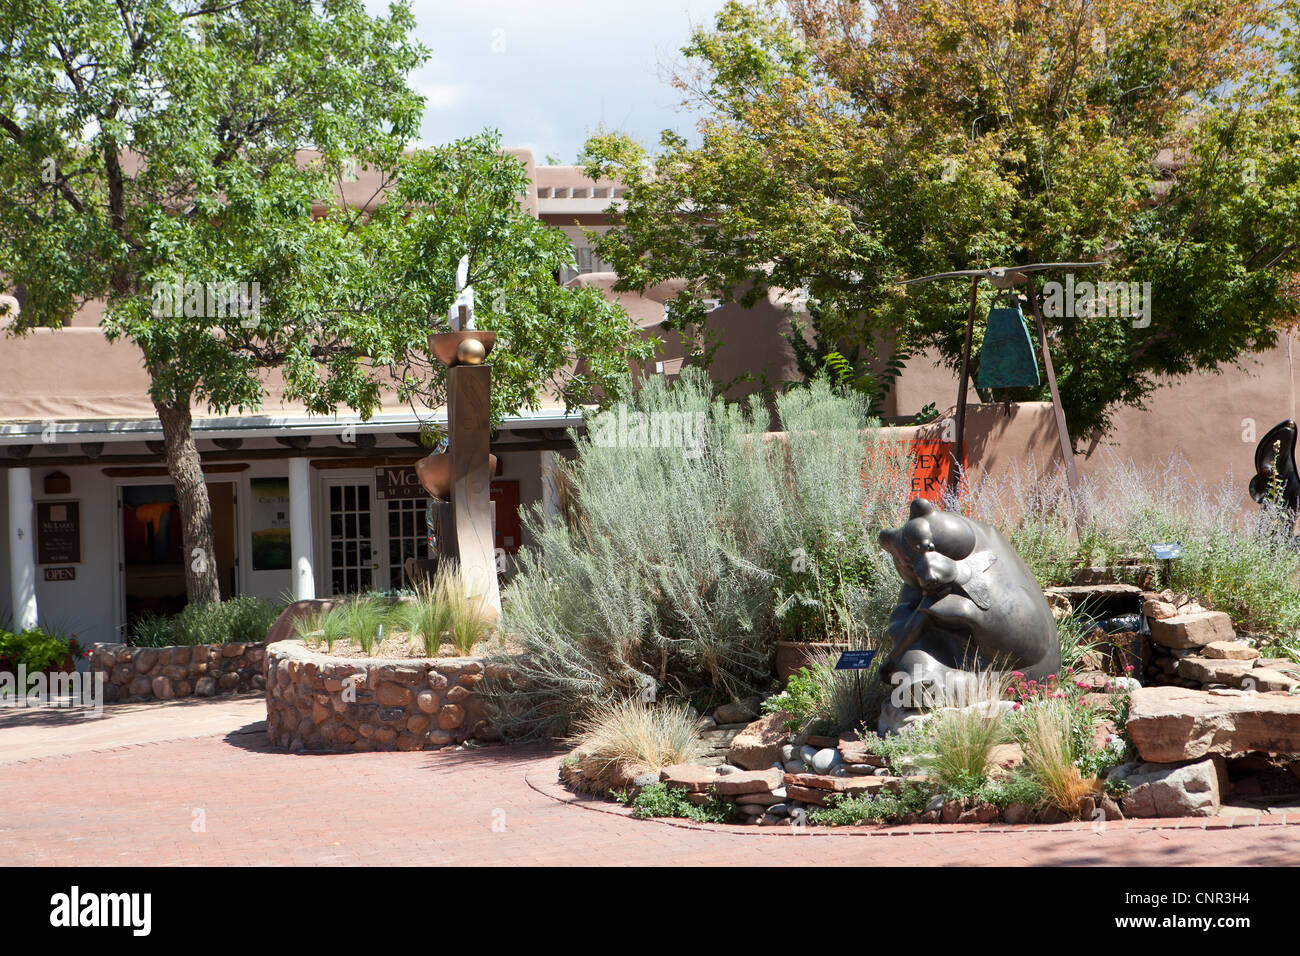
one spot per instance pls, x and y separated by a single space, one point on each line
959 449
1067 448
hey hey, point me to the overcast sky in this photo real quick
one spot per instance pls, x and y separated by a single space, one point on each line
545 74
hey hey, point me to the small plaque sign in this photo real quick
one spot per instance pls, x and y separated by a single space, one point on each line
855 660
1168 550
60 574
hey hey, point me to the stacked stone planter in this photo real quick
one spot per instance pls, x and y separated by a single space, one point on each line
318 702
134 674
1199 650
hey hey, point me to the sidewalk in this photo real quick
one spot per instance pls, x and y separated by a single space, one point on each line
27 733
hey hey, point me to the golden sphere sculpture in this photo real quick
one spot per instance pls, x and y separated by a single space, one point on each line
470 352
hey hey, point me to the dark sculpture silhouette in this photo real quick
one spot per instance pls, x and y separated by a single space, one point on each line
1276 478
968 604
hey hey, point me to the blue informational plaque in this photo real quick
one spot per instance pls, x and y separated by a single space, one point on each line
854 660
1168 550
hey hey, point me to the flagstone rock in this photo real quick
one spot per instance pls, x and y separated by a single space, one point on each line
749 781
738 712
1208 670
1194 629
1230 651
1264 680
1174 724
689 776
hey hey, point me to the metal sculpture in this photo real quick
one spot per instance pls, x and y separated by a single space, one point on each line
462 476
1276 478
968 604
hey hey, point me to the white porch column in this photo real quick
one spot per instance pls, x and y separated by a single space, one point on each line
22 549
304 577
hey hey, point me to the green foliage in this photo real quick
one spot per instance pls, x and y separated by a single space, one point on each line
882 808
963 742
442 611
238 620
843 146
1074 631
362 620
1245 566
801 699
35 649
617 602
660 800
1017 787
154 145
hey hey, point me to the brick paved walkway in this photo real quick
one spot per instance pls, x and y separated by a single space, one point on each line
228 799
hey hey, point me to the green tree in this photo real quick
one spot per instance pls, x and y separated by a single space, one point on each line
148 146
845 146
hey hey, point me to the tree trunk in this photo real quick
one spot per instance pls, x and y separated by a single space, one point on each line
186 470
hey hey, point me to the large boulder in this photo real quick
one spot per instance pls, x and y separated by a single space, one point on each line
1191 790
758 746
1174 724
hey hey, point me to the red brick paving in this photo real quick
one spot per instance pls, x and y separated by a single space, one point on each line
498 806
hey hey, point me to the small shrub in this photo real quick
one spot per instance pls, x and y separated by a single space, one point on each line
963 735
660 800
427 619
243 620
1018 787
630 732
844 811
801 699
35 649
362 621
1049 736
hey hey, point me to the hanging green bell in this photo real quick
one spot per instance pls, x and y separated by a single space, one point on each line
1007 358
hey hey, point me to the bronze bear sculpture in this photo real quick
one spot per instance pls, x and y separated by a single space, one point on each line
968 603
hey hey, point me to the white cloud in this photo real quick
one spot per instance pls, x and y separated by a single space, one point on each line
545 75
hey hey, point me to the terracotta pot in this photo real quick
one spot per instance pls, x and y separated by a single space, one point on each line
792 655
443 345
434 472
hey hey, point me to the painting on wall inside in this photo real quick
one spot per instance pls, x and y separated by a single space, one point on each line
271 551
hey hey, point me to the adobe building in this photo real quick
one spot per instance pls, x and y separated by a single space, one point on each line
308 506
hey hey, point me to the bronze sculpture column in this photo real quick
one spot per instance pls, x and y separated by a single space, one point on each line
463 474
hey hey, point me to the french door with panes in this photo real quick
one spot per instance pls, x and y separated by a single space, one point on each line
408 536
356 540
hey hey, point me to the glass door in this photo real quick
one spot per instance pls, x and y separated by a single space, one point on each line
355 538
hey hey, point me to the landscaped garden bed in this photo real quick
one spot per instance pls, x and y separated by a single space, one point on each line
653 649
374 673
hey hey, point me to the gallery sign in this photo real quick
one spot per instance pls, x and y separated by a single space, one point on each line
398 481
58 532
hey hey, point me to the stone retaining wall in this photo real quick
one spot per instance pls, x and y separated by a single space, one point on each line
317 702
163 673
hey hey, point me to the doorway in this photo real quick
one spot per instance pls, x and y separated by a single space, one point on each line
152 563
